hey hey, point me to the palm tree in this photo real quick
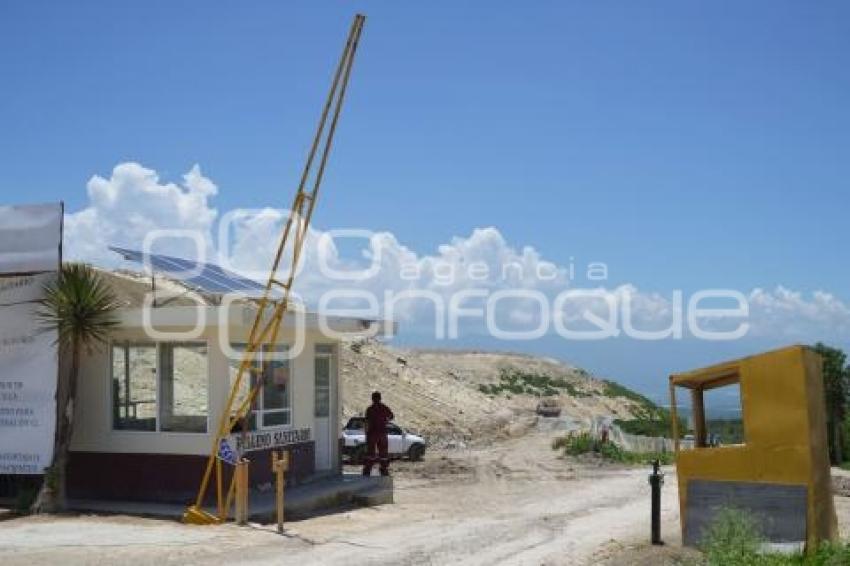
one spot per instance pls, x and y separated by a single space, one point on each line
79 307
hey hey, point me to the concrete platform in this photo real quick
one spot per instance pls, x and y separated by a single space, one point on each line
322 496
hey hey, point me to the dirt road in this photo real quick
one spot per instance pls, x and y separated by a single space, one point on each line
515 503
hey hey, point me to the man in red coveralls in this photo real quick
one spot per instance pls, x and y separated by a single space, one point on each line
377 417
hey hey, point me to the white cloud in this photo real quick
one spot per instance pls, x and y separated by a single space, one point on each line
132 202
793 314
124 208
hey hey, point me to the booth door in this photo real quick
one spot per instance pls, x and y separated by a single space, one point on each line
323 394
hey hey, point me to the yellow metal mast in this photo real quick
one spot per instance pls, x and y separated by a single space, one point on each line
265 329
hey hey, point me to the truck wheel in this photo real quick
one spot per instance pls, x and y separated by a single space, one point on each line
416 452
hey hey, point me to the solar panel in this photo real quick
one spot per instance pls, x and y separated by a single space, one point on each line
207 277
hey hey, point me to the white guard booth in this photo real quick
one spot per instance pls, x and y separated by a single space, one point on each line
149 402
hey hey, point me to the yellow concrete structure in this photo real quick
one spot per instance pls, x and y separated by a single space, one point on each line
781 471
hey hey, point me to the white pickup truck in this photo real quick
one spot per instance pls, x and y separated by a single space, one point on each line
401 444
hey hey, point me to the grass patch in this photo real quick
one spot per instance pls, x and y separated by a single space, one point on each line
651 420
519 382
734 539
584 443
645 427
614 389
648 418
655 423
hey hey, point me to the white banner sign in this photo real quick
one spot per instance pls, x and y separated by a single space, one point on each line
30 238
23 288
28 370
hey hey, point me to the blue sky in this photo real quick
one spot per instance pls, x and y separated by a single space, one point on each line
686 145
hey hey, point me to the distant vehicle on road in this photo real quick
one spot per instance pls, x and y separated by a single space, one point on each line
401 444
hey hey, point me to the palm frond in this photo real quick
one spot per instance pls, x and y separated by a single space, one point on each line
79 306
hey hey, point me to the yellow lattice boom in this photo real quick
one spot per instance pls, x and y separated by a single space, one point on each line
276 297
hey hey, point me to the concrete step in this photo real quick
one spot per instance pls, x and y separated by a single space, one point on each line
314 498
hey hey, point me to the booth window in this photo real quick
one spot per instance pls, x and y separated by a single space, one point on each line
716 412
272 404
160 387
323 369
134 386
183 387
245 385
275 394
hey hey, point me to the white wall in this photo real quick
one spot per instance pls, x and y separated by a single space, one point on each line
93 415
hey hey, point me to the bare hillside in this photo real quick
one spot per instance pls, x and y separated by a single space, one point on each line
453 397
458 397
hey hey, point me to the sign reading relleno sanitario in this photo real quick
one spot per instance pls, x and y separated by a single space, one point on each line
265 439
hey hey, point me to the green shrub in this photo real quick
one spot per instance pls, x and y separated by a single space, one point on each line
518 382
734 539
648 419
582 443
657 424
614 389
644 426
830 554
575 444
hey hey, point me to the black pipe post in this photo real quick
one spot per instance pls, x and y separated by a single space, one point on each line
656 480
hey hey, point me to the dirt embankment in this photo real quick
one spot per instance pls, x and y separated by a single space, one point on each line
439 392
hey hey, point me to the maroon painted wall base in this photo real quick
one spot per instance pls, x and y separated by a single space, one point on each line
168 477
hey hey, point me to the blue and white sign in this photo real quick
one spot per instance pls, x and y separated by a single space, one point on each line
226 452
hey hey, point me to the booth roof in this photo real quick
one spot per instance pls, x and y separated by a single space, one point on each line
175 300
717 375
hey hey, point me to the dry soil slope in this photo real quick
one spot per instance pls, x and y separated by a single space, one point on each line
437 392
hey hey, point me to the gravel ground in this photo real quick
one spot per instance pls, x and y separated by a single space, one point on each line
515 502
